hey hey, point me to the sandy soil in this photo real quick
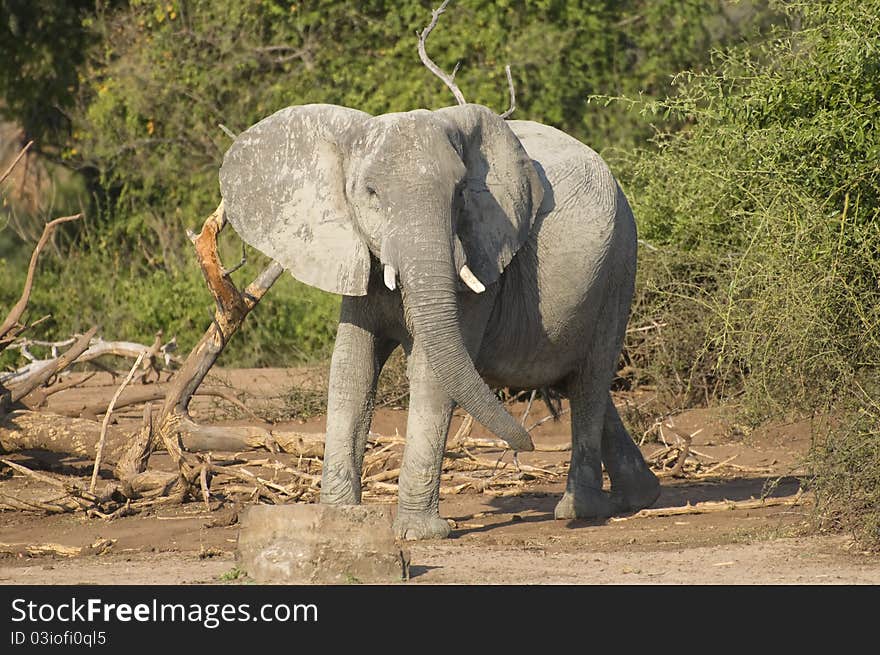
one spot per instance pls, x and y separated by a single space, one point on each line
496 540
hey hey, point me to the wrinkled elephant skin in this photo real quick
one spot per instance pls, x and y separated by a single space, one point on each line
492 251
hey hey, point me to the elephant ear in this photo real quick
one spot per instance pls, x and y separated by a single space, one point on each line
282 184
502 192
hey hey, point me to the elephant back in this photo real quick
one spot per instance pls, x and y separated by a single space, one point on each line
574 172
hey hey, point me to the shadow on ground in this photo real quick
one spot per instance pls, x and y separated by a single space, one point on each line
538 507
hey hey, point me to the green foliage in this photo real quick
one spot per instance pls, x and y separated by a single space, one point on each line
846 467
234 574
153 79
775 179
42 46
166 74
766 203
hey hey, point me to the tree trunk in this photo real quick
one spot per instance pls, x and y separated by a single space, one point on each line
25 430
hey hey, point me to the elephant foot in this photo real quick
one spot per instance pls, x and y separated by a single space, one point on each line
414 526
636 494
584 504
340 497
339 486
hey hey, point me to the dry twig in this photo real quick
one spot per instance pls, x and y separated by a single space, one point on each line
713 506
8 171
8 326
512 107
106 422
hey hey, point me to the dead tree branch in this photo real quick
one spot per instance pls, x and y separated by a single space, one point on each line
145 394
11 323
715 506
512 107
26 430
97 347
449 80
232 308
106 422
16 393
18 157
430 65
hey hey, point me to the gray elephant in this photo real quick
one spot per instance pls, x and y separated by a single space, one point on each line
492 251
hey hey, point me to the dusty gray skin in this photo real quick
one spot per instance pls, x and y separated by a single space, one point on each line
355 204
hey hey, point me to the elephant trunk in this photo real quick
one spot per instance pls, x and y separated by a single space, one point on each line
429 282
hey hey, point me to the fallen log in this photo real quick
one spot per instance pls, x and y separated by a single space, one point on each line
27 430
205 438
139 395
11 395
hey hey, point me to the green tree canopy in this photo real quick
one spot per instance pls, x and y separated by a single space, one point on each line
43 44
153 79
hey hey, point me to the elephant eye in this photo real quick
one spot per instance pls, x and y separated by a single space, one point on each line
371 191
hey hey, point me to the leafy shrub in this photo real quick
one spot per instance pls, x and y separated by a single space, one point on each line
845 464
136 107
764 213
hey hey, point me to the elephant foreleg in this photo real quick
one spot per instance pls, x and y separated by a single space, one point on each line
358 357
430 410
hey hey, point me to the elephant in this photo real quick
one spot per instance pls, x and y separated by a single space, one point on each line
496 253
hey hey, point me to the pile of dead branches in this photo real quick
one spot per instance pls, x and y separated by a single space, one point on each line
123 458
680 459
290 472
210 463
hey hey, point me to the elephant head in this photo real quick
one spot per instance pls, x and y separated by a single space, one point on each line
422 198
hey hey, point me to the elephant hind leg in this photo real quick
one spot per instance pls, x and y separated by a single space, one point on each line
633 485
598 435
584 497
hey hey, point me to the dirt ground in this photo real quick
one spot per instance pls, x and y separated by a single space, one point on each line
509 538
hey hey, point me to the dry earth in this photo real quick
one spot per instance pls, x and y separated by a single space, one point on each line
510 539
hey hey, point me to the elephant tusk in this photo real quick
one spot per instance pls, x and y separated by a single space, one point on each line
471 280
390 277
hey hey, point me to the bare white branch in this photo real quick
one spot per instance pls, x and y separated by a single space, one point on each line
510 88
431 66
97 348
106 422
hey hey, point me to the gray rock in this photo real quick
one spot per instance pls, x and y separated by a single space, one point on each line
320 544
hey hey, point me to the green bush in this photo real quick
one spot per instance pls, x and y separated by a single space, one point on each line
767 203
845 466
142 96
764 213
131 300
